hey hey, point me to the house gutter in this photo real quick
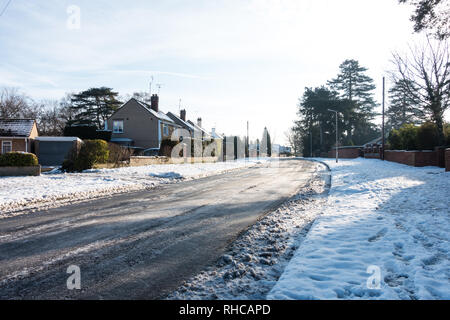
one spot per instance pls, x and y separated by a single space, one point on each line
12 138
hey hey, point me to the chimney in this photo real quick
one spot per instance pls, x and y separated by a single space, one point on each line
199 122
183 114
213 131
154 101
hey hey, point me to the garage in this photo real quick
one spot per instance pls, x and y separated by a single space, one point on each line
52 151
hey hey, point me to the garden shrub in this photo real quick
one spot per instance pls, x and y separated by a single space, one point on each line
18 159
447 134
118 153
166 147
408 136
92 152
424 137
427 136
395 140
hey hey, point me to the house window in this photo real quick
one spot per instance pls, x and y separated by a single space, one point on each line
118 126
6 146
165 129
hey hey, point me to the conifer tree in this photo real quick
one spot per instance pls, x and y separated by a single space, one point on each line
356 88
93 106
403 108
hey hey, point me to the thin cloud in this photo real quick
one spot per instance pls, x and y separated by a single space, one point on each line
156 72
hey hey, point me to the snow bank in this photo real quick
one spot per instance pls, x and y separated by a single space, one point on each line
383 221
54 189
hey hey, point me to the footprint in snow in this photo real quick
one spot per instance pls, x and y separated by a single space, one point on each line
379 235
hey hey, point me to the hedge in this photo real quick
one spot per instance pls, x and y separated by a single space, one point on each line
427 136
86 132
411 137
18 159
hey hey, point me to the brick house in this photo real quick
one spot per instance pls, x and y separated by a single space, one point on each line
140 125
17 135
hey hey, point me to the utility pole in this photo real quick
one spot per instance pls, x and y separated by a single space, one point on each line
382 127
337 135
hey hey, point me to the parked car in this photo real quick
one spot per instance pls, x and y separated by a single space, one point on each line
151 152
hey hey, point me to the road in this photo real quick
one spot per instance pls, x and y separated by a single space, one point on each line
140 245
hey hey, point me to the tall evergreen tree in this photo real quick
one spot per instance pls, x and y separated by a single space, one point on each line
355 87
316 124
403 108
94 106
266 143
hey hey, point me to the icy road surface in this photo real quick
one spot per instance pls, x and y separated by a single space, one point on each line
140 245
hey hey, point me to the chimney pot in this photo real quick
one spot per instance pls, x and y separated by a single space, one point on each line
199 122
154 102
183 114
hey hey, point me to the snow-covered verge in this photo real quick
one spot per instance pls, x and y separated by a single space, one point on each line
255 261
19 195
383 221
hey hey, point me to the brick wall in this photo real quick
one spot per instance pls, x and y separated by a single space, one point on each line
440 154
345 153
447 159
17 144
20 171
372 155
404 157
412 158
425 158
145 161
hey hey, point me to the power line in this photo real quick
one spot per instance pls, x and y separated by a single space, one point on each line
6 7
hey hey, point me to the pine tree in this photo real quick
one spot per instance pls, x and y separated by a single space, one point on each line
94 106
403 108
356 88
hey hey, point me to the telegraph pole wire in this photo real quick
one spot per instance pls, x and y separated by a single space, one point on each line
6 7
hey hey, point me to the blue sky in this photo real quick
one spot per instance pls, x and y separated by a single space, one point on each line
228 61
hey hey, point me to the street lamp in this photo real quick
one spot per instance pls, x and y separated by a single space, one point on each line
337 141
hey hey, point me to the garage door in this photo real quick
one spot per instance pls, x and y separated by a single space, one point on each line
53 153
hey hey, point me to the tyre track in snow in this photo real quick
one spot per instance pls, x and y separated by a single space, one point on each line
140 245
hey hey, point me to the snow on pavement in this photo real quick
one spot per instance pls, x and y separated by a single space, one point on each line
383 221
55 189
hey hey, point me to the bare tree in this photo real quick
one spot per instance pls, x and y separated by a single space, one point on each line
294 139
426 74
51 115
54 116
13 104
50 121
